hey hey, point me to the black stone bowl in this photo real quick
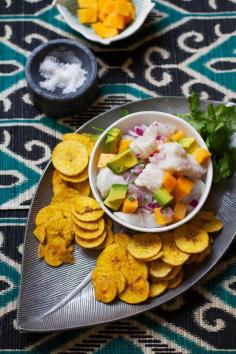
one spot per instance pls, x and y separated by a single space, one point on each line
56 104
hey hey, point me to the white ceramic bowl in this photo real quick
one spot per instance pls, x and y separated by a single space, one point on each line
143 7
128 122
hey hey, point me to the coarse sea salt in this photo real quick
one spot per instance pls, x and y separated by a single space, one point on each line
67 76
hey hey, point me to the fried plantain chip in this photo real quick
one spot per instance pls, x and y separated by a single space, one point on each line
154 258
104 285
82 187
134 269
109 238
90 243
70 157
157 288
171 253
90 216
57 182
55 226
83 139
144 246
47 213
207 221
86 225
40 250
40 233
68 234
118 277
201 256
121 239
175 282
114 256
51 255
80 177
160 269
67 195
90 234
135 293
173 273
86 204
191 239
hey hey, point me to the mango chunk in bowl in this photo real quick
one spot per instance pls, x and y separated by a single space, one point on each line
94 25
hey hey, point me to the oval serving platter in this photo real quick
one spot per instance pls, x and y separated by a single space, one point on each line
53 299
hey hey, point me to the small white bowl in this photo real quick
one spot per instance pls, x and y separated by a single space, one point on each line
128 122
143 7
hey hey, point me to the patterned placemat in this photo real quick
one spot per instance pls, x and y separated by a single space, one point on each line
184 45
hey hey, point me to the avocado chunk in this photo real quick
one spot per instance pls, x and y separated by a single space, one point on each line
163 197
112 141
122 161
187 143
116 196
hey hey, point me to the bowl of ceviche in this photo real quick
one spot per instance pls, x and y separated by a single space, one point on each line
150 171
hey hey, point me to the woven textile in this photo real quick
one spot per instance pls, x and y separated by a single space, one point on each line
183 45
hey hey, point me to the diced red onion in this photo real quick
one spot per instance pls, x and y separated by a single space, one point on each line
137 170
127 176
152 205
139 131
193 203
140 199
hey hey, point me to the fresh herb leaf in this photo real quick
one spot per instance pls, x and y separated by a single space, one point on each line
131 198
216 125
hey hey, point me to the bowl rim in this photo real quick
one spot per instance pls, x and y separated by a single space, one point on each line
104 41
208 182
92 77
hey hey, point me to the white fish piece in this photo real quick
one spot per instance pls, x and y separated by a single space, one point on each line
151 177
160 129
143 146
133 219
196 193
194 170
172 157
138 219
105 179
149 220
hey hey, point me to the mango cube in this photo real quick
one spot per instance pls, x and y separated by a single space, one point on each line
180 211
122 8
88 4
201 155
108 7
183 187
115 21
103 31
100 4
87 15
177 136
161 217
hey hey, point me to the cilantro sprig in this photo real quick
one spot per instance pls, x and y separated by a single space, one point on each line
216 125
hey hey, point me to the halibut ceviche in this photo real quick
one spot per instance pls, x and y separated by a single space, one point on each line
151 176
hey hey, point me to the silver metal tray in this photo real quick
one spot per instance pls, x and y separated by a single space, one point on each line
42 306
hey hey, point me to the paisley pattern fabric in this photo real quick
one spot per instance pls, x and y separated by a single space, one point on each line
183 45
